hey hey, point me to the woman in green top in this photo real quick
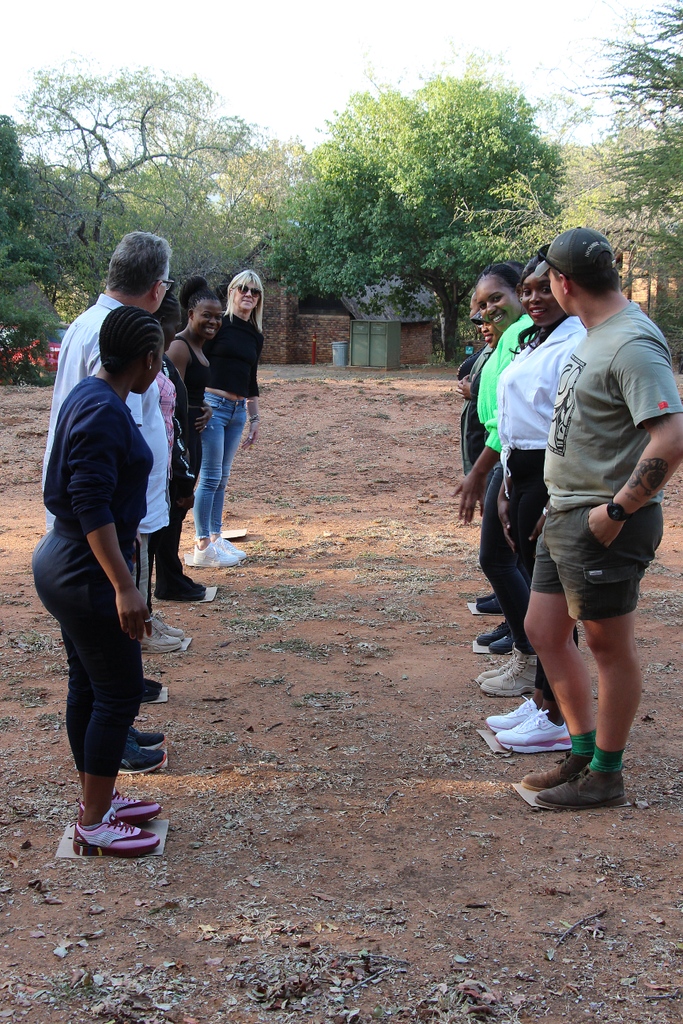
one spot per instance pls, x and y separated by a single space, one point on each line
497 298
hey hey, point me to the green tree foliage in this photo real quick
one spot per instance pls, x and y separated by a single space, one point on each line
137 151
423 190
24 264
645 80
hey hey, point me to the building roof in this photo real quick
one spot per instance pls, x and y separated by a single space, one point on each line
376 305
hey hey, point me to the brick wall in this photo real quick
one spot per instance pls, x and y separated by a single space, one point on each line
326 328
416 343
289 334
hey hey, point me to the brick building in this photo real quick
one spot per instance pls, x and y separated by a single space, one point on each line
289 325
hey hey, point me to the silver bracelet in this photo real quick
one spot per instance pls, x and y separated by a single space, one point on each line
254 419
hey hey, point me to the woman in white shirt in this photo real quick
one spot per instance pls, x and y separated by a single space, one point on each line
526 399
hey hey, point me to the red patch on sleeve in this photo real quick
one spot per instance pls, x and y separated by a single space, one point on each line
663 405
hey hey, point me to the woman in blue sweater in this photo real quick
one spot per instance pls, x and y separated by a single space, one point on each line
95 487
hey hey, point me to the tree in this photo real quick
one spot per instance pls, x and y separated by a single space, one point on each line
136 151
24 263
419 191
645 80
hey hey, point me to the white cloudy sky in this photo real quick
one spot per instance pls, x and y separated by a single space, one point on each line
288 66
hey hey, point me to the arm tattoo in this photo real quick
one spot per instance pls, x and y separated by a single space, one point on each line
649 475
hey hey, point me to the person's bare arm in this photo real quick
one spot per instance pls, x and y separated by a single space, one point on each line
130 604
658 463
472 488
179 354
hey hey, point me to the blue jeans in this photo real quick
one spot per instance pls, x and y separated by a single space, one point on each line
220 441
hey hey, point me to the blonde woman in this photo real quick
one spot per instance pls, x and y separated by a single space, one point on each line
232 394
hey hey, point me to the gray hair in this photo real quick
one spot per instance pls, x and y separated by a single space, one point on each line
139 260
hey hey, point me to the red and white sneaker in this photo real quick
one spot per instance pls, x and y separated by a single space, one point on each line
113 838
130 810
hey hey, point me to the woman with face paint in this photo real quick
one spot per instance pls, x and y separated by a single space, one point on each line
525 398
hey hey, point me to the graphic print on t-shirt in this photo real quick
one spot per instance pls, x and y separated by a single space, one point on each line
564 406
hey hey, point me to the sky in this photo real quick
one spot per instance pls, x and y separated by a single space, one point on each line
288 67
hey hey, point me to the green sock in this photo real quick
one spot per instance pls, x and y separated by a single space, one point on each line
584 744
606 760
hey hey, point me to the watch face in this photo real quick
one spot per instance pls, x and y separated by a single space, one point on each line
615 512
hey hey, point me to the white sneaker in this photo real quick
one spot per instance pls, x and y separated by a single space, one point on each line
158 642
518 677
527 709
535 735
211 555
165 628
225 545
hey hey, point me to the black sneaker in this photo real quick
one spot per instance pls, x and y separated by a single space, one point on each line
502 646
196 592
148 740
485 639
488 605
136 760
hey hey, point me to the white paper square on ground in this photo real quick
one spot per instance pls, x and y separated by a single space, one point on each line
473 608
161 699
159 827
210 595
184 644
491 742
233 534
478 649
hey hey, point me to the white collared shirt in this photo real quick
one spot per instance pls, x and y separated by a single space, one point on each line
79 357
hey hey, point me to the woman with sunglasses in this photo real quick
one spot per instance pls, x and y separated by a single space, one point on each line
232 394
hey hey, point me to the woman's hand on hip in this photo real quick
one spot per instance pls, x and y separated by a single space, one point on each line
201 421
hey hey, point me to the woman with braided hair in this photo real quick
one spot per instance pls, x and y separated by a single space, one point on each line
95 487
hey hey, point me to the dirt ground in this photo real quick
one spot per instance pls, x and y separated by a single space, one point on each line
342 846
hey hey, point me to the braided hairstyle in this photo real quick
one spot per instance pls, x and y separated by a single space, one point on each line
195 290
532 337
126 334
508 272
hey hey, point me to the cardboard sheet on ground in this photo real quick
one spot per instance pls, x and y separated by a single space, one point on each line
478 649
233 534
491 742
210 595
162 698
159 827
185 643
473 608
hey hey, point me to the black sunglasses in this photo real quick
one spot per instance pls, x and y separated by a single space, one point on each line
245 289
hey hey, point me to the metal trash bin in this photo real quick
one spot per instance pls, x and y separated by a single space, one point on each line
340 353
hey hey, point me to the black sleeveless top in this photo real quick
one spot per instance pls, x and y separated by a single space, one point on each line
196 378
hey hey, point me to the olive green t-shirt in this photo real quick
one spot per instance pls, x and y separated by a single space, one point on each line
617 377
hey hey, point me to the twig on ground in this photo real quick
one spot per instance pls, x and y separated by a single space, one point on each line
584 920
383 810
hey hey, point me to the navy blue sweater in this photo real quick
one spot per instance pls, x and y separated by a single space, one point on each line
98 469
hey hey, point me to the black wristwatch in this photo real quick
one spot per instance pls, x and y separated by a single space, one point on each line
617 512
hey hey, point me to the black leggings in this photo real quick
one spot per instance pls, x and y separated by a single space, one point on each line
527 501
502 567
105 665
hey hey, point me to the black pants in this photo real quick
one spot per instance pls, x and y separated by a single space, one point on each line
171 580
503 567
105 665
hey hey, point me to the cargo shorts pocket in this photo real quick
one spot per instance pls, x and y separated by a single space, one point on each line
612 574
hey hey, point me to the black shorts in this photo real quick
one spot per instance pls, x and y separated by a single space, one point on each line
598 582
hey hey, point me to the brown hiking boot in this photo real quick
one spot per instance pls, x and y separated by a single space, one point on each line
567 769
590 789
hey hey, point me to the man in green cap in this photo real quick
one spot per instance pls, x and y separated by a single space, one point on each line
615 440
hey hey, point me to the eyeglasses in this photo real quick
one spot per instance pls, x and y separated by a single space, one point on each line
246 290
168 284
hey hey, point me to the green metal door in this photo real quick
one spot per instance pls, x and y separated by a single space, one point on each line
360 343
378 345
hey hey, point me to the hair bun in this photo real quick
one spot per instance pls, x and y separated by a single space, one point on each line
192 285
113 364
